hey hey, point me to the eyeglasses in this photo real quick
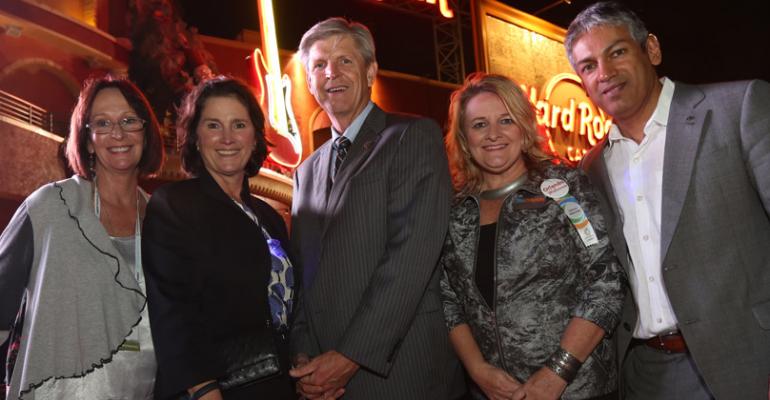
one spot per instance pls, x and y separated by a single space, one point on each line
104 126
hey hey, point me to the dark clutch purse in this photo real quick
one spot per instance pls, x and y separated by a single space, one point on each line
250 358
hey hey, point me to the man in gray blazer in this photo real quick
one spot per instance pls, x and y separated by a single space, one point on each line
369 215
685 176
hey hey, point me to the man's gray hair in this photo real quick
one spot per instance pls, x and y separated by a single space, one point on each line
604 13
338 26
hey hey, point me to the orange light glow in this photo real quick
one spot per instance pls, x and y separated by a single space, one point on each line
284 135
443 6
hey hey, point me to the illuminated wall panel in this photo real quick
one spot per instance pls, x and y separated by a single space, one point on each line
530 51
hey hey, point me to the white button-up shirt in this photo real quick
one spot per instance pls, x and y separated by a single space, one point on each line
636 173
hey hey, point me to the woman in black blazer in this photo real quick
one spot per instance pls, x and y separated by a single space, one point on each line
217 275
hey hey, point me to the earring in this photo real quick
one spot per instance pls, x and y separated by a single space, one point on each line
92 164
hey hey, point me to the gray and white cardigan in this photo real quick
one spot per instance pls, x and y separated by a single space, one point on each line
82 299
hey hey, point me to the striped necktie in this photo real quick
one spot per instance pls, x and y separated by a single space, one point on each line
341 146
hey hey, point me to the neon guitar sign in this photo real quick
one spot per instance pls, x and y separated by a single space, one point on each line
275 94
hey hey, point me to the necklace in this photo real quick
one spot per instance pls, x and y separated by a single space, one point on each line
505 190
137 231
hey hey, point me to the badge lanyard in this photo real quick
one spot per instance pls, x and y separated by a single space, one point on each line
558 190
137 230
280 264
128 344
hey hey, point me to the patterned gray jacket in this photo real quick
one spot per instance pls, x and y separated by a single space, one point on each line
544 276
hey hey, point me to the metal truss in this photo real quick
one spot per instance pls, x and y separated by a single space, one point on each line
447 34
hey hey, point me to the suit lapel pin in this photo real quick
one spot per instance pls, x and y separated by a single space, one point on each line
368 145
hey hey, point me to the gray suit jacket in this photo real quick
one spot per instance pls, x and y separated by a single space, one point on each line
374 236
715 232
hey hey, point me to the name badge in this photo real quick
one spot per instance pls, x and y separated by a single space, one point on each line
129 345
558 190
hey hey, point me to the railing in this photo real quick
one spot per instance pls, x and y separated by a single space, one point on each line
22 110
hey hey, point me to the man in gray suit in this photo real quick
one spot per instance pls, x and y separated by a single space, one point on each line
369 215
684 173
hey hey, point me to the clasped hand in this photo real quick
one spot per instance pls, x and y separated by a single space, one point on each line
495 383
544 384
323 377
499 385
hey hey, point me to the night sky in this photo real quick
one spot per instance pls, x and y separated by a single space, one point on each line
703 41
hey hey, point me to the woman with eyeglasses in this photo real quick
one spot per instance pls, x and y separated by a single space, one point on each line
72 289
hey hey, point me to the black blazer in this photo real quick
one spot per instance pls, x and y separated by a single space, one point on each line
207 268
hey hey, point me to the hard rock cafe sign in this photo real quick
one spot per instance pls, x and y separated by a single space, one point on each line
567 117
530 50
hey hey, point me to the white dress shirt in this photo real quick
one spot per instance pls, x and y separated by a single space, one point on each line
636 173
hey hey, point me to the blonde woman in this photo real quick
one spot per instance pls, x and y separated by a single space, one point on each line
532 289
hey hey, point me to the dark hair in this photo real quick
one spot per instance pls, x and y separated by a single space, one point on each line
79 137
605 13
190 115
